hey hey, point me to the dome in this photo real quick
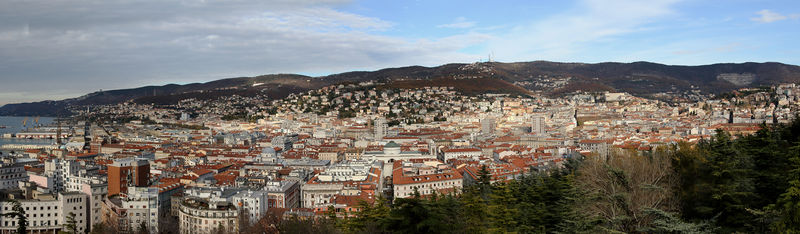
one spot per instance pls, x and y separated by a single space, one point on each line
391 148
391 144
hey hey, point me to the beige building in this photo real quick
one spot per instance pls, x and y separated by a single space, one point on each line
46 213
426 176
202 216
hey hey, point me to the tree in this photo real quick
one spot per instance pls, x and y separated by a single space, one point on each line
788 205
166 224
502 208
269 223
143 228
244 221
624 185
414 215
71 225
99 228
474 210
666 222
729 181
220 229
484 182
19 213
771 159
297 225
371 218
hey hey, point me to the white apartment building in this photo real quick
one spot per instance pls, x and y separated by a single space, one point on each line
316 195
47 213
148 205
11 174
276 194
473 153
426 177
206 210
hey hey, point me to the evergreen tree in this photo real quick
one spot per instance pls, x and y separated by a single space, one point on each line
770 162
330 213
19 213
451 209
371 218
665 222
729 182
71 225
474 210
502 208
788 205
484 182
99 228
531 204
414 215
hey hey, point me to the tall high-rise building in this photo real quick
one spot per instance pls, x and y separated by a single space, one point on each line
126 173
537 125
380 128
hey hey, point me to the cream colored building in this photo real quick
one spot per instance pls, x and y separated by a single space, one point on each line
46 213
197 216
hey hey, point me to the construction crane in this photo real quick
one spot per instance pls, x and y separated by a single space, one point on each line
25 122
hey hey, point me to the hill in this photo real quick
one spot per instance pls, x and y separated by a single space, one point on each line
549 78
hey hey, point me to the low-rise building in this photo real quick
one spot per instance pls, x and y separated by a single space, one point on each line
46 213
208 211
424 176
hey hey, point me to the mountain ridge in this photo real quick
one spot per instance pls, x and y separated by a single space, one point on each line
639 78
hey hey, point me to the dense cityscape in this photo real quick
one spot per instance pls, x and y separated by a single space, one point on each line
227 165
399 117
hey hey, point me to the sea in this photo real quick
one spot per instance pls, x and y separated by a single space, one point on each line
13 124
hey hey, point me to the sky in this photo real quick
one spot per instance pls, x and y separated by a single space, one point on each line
56 49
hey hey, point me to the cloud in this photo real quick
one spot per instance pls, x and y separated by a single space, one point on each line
48 46
561 36
767 16
459 22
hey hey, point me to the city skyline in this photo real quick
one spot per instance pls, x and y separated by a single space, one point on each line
353 116
62 50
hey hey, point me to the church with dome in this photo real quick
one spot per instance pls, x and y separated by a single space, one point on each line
392 152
